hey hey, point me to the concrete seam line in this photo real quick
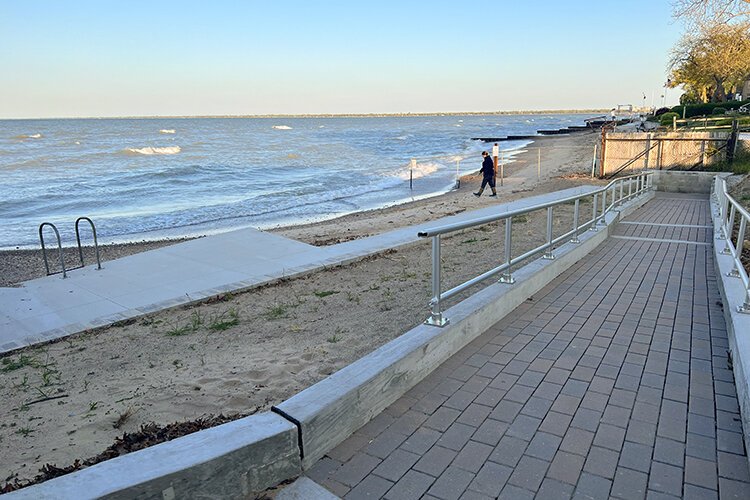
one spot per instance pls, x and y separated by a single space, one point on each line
638 223
296 422
658 240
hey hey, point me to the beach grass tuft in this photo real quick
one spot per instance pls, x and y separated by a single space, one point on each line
325 293
123 417
10 364
224 320
178 330
276 311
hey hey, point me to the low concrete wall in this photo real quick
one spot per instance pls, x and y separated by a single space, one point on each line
229 461
738 326
331 410
683 182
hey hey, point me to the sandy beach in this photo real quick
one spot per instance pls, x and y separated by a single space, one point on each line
244 352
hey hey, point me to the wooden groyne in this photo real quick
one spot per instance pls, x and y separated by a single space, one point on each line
591 124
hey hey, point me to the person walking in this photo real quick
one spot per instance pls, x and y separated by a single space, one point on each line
488 172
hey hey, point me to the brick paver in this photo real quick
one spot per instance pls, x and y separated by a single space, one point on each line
610 382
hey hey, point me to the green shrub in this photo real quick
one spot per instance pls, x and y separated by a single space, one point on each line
692 110
667 118
719 111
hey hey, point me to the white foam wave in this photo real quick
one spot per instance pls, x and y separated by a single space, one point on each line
29 136
169 150
167 131
421 170
282 127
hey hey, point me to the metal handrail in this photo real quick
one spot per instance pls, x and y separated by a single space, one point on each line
636 185
728 211
96 244
59 248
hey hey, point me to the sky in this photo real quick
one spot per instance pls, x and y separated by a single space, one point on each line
176 58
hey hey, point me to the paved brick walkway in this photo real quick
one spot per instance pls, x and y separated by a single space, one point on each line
610 382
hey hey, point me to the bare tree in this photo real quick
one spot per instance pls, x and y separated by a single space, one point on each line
702 12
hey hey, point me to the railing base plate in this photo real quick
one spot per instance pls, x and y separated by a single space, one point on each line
439 322
507 279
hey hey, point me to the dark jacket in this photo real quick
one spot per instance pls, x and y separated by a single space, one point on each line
488 167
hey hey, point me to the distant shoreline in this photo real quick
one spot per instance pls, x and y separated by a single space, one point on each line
326 115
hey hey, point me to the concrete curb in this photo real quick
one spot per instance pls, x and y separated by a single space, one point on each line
738 326
228 461
331 410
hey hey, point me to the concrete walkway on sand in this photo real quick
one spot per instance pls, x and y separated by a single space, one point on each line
49 308
613 381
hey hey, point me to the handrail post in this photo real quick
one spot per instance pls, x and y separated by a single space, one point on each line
593 215
735 272
745 307
604 208
722 215
548 254
436 317
59 248
622 185
728 233
630 187
575 222
507 277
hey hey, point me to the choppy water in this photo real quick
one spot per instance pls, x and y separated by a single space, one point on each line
153 178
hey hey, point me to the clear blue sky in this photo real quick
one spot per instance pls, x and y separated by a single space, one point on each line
134 58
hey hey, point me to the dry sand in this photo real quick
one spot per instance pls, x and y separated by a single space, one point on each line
245 352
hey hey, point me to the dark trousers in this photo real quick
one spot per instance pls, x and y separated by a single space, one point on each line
488 179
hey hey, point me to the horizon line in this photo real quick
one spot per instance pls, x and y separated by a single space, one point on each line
321 115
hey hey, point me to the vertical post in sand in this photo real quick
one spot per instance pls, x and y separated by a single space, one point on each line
601 153
502 167
411 173
494 158
539 164
593 164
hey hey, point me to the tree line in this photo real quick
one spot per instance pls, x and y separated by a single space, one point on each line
712 59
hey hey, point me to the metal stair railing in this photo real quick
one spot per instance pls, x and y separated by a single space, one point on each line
96 244
729 209
614 191
59 248
64 270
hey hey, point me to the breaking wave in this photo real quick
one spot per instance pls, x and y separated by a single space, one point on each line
29 136
421 170
167 131
169 150
282 127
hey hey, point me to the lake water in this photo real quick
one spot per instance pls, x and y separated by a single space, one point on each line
154 178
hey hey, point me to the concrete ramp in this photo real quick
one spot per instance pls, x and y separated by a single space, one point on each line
51 307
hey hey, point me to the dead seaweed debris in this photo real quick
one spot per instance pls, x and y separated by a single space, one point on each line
148 435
